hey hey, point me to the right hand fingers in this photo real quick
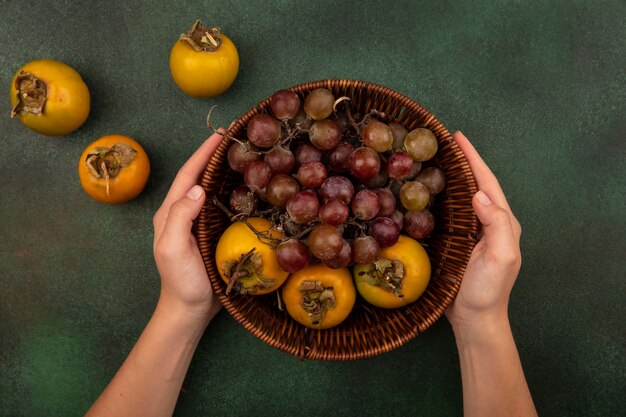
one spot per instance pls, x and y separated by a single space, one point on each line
484 177
499 237
486 180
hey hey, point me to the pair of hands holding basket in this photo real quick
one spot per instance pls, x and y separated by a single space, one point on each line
149 381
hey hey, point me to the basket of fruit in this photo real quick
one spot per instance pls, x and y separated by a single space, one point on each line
339 220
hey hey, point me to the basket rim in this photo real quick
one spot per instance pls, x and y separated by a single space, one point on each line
303 348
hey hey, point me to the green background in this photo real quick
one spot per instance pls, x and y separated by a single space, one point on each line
538 86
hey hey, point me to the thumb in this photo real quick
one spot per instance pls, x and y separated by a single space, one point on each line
496 222
177 230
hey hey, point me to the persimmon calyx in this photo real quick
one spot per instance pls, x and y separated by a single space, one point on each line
31 94
316 300
108 162
386 274
202 38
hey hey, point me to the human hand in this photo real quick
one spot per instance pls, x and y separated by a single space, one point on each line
483 298
185 285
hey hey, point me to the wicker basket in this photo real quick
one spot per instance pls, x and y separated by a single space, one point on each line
368 331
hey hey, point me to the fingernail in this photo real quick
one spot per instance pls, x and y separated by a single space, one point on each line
482 198
195 192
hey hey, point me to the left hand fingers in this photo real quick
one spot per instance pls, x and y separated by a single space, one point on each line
186 178
177 228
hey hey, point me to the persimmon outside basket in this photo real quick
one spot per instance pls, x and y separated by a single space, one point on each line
368 331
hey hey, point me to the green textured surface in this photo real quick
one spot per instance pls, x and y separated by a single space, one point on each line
539 86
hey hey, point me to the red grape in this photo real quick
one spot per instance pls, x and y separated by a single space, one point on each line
337 187
280 160
303 207
399 132
419 224
377 181
385 231
325 134
387 201
364 163
280 189
325 241
334 212
398 217
365 250
342 259
257 174
342 121
365 205
239 156
338 158
243 200
433 179
292 255
263 130
415 169
312 174
285 104
399 165
307 153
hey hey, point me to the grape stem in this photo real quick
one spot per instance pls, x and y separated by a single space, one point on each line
352 222
292 133
272 241
304 232
226 136
369 115
349 113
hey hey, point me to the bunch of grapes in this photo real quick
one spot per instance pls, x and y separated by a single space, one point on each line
339 189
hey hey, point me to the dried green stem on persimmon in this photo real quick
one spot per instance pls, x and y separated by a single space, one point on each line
244 274
31 94
316 300
201 38
107 163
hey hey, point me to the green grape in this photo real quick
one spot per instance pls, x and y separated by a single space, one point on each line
414 196
421 144
318 104
377 136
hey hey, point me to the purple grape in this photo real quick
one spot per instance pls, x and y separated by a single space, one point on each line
365 250
337 187
338 158
239 156
285 104
280 160
365 205
387 202
364 163
334 212
257 175
292 255
263 130
312 174
303 207
385 231
419 224
342 259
